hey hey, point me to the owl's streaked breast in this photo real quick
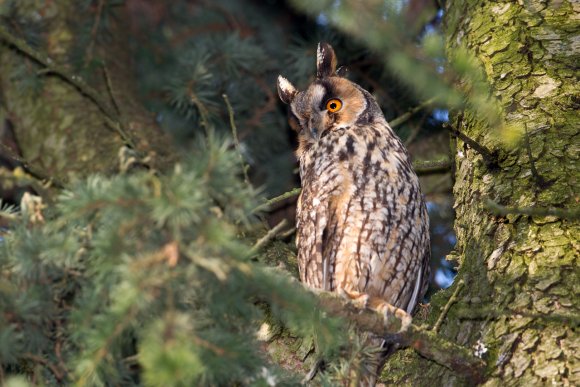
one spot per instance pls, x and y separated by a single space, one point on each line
361 218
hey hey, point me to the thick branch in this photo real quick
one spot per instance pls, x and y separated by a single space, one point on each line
563 213
426 342
423 168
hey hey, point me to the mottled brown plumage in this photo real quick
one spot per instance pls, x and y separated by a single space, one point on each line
362 225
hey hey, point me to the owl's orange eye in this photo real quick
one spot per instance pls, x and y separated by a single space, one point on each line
333 105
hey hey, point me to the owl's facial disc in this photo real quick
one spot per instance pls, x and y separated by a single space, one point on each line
306 107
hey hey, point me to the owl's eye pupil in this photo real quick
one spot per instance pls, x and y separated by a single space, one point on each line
333 105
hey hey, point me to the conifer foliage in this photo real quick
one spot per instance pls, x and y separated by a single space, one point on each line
144 279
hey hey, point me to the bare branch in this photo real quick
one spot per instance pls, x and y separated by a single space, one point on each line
432 167
489 157
269 235
274 200
563 213
540 181
58 373
235 136
450 302
407 115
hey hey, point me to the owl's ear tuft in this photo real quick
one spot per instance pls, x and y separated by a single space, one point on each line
286 90
325 61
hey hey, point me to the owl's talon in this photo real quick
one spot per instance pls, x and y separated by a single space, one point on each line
406 321
405 318
359 300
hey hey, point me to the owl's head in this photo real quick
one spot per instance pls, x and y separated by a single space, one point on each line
330 102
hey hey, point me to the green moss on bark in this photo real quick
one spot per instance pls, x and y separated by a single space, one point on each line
521 273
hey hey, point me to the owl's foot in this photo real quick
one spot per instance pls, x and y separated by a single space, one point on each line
364 301
360 300
387 309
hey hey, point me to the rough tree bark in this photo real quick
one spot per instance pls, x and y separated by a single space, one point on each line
520 302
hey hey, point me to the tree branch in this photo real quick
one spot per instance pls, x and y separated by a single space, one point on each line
489 157
540 181
431 167
58 373
450 302
293 192
426 342
269 235
563 213
407 115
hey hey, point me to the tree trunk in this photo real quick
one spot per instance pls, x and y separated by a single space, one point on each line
520 305
59 129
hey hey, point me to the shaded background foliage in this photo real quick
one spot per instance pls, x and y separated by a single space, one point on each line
186 55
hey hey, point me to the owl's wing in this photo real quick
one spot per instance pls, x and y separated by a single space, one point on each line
312 222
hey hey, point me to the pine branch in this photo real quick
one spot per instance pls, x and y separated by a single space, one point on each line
563 213
111 119
406 116
426 342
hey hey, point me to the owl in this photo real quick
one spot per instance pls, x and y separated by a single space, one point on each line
362 224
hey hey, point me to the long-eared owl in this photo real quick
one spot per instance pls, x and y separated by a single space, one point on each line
362 224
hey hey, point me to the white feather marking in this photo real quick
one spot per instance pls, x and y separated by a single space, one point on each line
413 301
325 274
285 85
317 93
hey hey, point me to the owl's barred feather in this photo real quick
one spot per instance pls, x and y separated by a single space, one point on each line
362 224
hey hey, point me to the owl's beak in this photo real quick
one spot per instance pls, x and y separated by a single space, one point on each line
314 125
314 132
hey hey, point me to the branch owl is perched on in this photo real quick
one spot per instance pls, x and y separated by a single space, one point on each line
362 225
